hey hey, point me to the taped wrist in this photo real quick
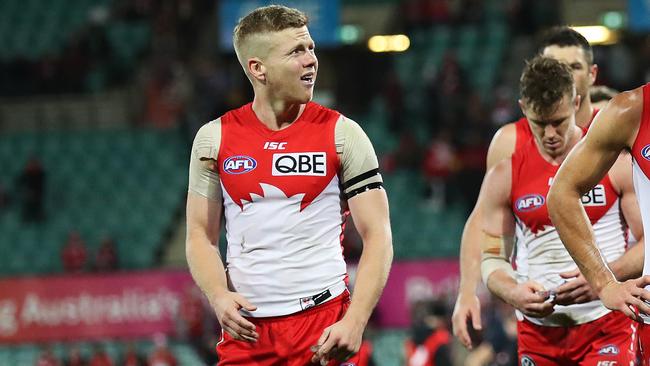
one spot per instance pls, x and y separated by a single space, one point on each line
493 256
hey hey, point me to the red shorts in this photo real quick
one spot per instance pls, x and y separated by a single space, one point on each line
285 340
607 341
644 343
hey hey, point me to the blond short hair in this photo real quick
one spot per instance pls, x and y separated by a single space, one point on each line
272 18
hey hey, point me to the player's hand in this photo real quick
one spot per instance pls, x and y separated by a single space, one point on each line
625 296
575 291
227 307
531 299
339 341
467 308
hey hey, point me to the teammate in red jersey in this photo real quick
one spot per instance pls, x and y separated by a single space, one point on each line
549 333
278 168
624 125
570 47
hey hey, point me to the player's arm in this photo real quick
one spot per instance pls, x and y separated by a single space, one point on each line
497 224
630 265
468 307
204 208
613 130
368 205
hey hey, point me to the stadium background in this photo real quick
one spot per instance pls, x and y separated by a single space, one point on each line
99 101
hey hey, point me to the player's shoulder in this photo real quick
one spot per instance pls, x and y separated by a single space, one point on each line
317 113
504 143
507 134
627 102
622 116
347 123
208 140
210 129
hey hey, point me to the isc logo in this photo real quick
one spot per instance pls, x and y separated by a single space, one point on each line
595 197
239 164
307 163
275 145
529 202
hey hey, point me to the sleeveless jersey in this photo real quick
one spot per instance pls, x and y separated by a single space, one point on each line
641 174
283 210
546 255
523 136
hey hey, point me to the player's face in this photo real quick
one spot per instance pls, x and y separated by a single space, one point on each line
291 65
584 74
554 131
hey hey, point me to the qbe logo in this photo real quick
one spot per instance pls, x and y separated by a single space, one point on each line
239 164
595 197
645 152
529 202
306 163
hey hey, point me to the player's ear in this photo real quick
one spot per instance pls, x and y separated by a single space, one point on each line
576 102
256 69
522 106
593 74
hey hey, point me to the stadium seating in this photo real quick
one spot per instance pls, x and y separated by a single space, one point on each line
388 347
27 354
125 184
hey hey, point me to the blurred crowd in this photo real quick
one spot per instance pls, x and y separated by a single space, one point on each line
160 355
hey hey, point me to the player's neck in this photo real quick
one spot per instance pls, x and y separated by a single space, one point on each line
584 113
276 115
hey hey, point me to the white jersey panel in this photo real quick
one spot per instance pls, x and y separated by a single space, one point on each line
276 253
547 258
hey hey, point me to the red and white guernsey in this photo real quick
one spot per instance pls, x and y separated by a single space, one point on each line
547 257
283 209
523 136
284 202
641 173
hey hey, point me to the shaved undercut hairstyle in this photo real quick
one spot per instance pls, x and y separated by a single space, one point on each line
272 18
543 84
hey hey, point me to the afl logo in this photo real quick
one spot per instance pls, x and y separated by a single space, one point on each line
529 202
645 152
527 361
239 164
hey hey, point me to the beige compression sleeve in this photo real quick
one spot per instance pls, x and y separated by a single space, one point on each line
204 176
360 168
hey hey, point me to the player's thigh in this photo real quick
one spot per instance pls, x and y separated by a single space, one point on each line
614 343
305 332
644 343
537 346
234 352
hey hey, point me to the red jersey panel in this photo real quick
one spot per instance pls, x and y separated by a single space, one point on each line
524 133
532 177
251 153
